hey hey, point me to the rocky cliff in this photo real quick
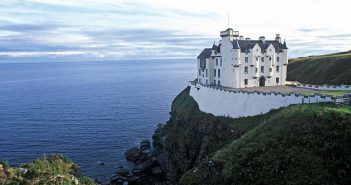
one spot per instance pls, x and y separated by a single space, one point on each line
300 144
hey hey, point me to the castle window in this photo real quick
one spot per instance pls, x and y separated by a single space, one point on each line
277 59
219 83
256 70
214 73
216 61
206 82
277 68
220 61
262 59
257 59
262 69
246 81
270 69
214 82
270 58
246 59
206 72
199 72
219 73
277 80
246 70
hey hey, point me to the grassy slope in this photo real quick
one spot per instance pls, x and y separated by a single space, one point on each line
324 69
301 144
45 170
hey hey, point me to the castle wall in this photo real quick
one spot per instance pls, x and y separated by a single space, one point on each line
239 104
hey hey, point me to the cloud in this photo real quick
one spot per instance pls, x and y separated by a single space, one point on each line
311 29
337 36
141 29
38 54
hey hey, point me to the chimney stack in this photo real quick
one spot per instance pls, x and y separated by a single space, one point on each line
262 38
277 37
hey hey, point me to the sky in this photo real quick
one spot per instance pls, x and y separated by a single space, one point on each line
71 30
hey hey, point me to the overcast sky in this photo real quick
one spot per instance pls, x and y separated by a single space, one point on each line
152 29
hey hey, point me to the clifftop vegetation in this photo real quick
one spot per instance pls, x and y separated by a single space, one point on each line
331 69
54 169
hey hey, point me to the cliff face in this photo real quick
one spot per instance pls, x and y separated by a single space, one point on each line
300 144
191 136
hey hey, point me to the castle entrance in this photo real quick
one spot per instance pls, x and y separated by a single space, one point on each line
262 81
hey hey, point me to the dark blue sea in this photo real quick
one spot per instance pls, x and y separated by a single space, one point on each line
88 111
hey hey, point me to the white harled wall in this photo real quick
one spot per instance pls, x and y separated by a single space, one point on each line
239 104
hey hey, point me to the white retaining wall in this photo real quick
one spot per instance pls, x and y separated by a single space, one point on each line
238 104
326 87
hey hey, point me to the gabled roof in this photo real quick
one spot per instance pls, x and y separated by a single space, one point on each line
246 45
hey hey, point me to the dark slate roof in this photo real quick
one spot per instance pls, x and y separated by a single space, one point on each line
236 44
206 53
245 45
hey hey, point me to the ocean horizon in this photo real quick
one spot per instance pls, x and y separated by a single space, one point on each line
89 111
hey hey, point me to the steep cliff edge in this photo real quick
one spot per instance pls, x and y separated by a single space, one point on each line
300 144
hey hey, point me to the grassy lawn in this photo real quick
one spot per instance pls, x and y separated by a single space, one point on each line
331 93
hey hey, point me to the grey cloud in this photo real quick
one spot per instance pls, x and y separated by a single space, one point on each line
310 29
336 36
30 27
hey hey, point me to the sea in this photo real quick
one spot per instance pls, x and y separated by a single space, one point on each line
90 112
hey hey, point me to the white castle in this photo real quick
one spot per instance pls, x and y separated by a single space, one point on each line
239 63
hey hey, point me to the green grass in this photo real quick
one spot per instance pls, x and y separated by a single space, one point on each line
303 144
330 93
44 170
324 69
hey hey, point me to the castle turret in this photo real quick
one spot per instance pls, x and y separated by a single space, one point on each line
229 34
